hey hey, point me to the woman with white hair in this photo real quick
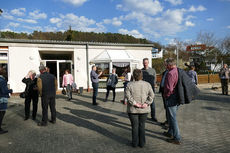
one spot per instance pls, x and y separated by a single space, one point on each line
31 93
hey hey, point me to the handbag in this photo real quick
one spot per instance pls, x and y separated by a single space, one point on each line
63 91
22 95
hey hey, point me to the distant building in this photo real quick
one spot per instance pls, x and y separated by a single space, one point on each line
156 53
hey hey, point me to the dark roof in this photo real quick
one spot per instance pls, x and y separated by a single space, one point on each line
31 41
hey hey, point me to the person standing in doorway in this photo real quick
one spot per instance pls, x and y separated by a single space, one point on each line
111 84
67 83
149 75
224 77
94 78
4 95
47 86
128 76
31 93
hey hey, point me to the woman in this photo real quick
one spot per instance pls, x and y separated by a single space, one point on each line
127 79
139 95
31 93
193 75
4 95
67 82
111 84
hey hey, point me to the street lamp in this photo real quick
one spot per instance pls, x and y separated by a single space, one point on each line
0 15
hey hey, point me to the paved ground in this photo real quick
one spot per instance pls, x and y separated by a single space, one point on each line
83 128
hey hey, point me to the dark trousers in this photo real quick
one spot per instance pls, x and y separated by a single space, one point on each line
48 100
108 90
69 91
138 129
27 106
224 85
153 110
95 91
2 114
166 112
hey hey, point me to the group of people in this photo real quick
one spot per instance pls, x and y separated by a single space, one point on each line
140 93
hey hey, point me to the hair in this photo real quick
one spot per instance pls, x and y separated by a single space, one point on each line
137 75
93 66
192 67
114 69
145 59
170 61
67 70
2 71
42 67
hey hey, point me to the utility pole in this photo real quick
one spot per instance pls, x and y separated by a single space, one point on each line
0 15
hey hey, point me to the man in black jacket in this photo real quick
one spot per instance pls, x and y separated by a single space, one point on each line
47 86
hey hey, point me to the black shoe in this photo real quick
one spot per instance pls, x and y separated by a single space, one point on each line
33 118
167 135
154 119
95 104
42 124
53 122
105 100
113 100
174 141
26 118
3 131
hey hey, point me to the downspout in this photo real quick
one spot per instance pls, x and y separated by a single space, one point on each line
87 66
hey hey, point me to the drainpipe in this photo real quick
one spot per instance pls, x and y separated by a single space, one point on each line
87 66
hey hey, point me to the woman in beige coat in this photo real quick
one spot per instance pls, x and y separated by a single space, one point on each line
139 95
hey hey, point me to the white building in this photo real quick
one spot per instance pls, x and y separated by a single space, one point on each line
20 56
156 53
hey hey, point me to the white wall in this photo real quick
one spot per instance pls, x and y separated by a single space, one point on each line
21 61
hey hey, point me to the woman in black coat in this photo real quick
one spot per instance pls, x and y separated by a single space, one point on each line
31 93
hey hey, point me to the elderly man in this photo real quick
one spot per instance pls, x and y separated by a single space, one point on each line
224 77
94 78
149 75
47 86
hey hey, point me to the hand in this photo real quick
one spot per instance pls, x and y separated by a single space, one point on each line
139 105
144 105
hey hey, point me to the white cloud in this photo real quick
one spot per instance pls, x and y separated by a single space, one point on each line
12 24
37 15
210 19
75 2
200 8
33 28
50 29
115 21
27 20
5 30
55 20
189 24
7 16
19 11
175 2
145 6
228 27
189 17
134 33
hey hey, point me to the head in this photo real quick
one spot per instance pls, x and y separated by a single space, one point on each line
67 71
32 74
170 63
47 69
94 68
2 71
146 62
225 66
114 70
137 75
192 67
42 68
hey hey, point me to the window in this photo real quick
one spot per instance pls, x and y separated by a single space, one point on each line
104 67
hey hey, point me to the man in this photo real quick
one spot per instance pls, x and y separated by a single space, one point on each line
47 86
171 101
111 84
224 77
94 78
149 75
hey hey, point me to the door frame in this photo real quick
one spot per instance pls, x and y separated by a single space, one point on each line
58 72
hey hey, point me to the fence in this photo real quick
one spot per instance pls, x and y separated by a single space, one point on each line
202 79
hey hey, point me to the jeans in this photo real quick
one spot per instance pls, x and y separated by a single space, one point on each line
224 85
95 91
28 99
108 90
69 91
2 114
171 108
48 101
138 129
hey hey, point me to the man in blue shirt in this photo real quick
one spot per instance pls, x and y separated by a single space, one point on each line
94 78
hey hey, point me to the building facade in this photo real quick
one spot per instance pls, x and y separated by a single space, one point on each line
20 56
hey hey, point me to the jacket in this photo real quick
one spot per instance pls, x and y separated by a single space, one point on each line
224 73
47 85
139 92
30 85
4 91
65 77
186 89
112 80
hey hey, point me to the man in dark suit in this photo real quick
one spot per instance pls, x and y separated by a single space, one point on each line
47 86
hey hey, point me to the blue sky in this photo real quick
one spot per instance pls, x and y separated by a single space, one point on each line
156 20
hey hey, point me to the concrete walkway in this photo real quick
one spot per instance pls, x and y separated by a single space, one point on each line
82 128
